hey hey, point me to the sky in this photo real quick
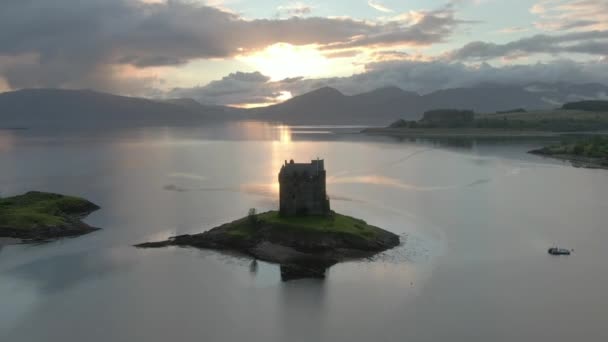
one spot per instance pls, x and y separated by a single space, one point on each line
249 53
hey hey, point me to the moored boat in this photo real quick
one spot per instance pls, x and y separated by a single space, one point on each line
558 251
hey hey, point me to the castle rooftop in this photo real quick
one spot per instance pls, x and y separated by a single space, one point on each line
313 168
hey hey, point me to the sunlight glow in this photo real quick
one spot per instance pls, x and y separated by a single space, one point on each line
282 60
7 141
284 95
5 87
282 149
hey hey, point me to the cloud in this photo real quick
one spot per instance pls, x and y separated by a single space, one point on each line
429 76
415 28
419 76
236 88
82 43
378 6
589 42
564 15
294 9
513 29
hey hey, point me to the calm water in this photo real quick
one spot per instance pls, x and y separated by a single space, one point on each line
476 220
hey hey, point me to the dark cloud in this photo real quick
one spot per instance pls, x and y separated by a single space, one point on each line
425 77
236 88
589 42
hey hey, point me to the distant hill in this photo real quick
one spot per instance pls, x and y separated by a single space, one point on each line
210 111
25 108
84 107
328 105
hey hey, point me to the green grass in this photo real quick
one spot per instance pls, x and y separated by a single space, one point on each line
40 209
334 223
558 120
596 147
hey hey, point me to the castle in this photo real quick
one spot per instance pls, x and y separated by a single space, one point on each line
302 189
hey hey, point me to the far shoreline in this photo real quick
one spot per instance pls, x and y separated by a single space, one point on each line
574 160
460 133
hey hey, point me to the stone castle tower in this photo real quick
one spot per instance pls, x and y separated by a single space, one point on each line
302 189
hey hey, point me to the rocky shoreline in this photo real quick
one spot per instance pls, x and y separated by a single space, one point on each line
575 160
300 250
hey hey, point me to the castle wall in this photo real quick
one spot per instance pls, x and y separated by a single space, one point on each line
302 190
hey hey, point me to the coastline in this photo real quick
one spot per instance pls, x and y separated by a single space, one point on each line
458 133
574 160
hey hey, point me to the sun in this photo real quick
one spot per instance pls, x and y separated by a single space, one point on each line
283 60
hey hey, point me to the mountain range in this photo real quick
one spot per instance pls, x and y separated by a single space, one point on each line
328 105
322 106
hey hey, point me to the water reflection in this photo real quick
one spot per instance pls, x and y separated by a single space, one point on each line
386 181
385 166
263 190
471 143
61 272
294 272
253 267
480 182
303 310
7 140
189 176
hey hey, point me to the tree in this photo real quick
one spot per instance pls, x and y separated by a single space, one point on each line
252 216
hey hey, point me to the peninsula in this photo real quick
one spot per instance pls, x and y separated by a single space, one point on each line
515 123
39 216
305 237
588 153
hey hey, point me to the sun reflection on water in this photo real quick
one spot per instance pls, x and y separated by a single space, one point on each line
282 149
7 140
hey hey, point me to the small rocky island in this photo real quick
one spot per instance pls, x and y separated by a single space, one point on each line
305 237
40 216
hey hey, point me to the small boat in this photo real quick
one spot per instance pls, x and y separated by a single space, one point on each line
558 251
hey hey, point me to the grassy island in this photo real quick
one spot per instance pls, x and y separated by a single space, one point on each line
41 215
589 152
301 242
331 224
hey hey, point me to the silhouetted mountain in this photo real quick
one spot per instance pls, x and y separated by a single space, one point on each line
328 105
483 98
85 107
210 111
188 103
386 94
